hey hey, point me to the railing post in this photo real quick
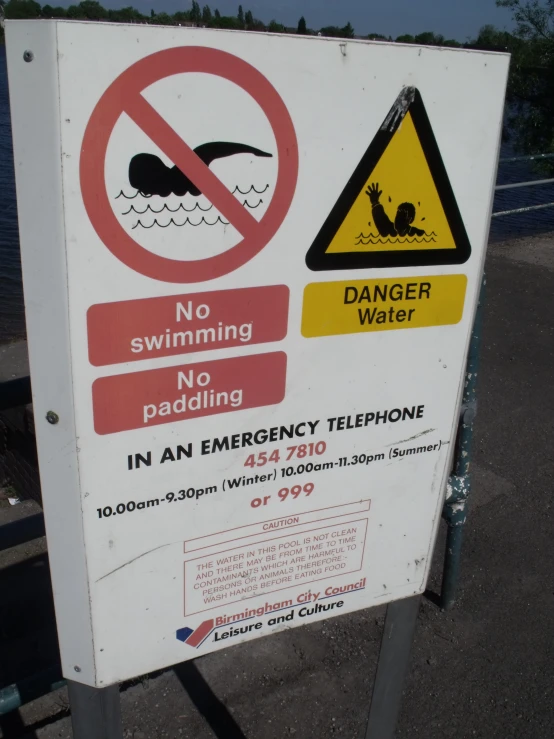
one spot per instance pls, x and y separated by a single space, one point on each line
459 483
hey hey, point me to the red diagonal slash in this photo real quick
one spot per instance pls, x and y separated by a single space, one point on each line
190 164
125 95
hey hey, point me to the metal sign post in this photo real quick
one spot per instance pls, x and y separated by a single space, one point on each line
251 265
95 712
394 656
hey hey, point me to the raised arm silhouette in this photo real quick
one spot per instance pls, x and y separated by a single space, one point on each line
405 216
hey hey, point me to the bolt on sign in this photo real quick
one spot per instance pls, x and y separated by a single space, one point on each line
251 267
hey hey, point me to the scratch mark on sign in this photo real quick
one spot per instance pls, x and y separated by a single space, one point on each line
133 560
411 438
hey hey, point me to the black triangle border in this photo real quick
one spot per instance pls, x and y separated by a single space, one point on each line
318 260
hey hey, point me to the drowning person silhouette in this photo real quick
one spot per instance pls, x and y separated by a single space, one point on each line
405 216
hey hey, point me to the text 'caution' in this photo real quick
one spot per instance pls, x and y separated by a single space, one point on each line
356 306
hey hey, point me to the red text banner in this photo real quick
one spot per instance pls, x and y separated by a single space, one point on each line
144 399
131 330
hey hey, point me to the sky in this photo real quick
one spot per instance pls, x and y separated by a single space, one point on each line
458 19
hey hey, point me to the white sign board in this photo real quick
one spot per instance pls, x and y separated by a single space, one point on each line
251 267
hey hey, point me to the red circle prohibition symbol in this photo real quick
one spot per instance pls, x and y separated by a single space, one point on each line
124 96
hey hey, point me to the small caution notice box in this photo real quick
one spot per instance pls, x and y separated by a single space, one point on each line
272 556
355 306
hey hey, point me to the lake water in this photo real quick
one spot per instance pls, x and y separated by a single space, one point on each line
12 319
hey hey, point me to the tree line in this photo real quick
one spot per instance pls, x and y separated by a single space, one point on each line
92 10
198 15
530 119
203 16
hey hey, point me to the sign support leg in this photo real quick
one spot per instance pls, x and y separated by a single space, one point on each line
394 658
95 712
459 484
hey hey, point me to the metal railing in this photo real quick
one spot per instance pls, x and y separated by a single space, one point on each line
528 158
528 183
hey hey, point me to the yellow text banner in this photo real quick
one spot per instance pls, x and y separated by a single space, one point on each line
358 306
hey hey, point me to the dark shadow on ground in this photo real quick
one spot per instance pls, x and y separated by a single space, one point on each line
207 703
433 598
28 638
12 727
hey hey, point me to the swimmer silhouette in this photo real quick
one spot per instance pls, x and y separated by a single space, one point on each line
149 175
405 216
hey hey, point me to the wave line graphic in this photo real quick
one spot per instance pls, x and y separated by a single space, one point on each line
131 197
197 206
237 189
370 239
252 189
179 225
389 239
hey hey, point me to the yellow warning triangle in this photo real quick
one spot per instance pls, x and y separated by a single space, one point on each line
398 208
